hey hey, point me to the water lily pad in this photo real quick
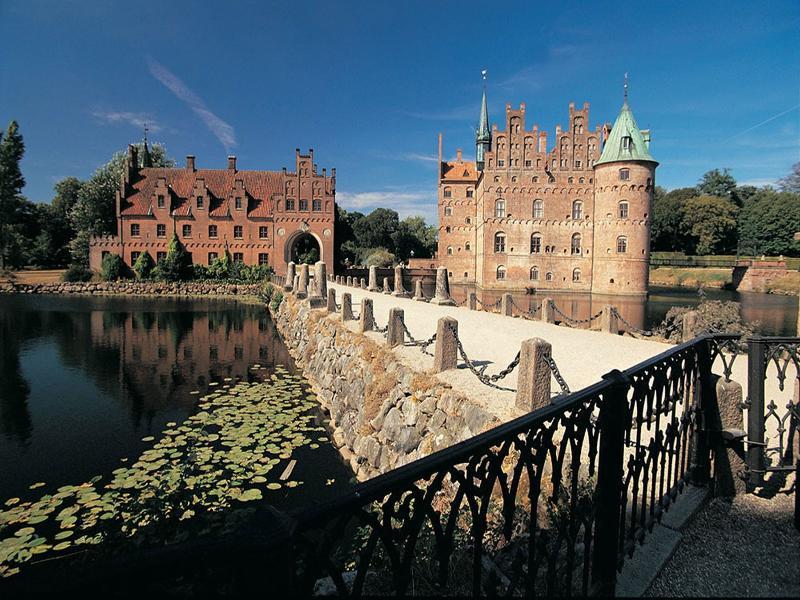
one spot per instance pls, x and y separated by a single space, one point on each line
149 438
249 495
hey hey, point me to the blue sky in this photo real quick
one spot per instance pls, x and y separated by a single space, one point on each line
369 85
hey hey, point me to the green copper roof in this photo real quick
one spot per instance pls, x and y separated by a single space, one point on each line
615 149
483 134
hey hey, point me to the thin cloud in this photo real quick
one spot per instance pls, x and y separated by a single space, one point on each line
405 203
136 119
415 157
221 130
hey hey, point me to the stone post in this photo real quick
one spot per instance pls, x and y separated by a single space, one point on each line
347 307
289 283
367 320
442 296
689 325
331 306
445 356
418 295
302 286
372 286
349 280
363 283
386 288
395 335
320 279
506 305
727 417
399 290
472 301
296 283
533 381
608 320
548 314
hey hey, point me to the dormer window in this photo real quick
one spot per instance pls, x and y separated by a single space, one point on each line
161 201
627 143
200 202
238 202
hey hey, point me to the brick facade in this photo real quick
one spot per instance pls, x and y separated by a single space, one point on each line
254 216
546 219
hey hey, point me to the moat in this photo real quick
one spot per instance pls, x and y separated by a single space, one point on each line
85 380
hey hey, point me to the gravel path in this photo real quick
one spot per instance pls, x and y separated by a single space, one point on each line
745 548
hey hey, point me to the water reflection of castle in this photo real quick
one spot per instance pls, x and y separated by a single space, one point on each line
164 356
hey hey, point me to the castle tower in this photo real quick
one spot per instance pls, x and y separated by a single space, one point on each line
624 184
483 135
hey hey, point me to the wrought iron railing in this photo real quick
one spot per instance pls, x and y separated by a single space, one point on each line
550 503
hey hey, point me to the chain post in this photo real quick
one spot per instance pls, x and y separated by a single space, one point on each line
756 374
706 402
613 414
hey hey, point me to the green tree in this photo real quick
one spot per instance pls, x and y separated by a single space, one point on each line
667 233
12 149
94 212
718 182
112 267
768 222
379 257
791 183
144 265
376 229
413 234
709 222
177 265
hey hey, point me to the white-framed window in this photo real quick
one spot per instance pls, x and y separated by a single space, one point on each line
161 201
187 231
212 231
538 209
627 143
576 275
238 257
501 273
238 232
263 259
534 273
238 202
577 210
470 193
448 193
500 208
200 202
536 243
548 277
623 209
622 244
135 229
161 230
263 232
316 205
499 242
624 174
448 211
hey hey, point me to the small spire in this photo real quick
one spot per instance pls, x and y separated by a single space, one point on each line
483 135
146 159
625 88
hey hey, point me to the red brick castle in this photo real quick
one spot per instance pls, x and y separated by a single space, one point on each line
257 217
574 217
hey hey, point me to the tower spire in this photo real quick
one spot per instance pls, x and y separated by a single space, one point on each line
483 136
146 159
625 89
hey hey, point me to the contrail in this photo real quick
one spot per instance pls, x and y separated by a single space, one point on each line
772 118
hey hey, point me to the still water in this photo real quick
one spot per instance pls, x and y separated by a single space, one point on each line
84 379
775 314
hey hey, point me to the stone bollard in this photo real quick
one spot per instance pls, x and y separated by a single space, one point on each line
506 305
302 286
395 335
689 330
442 296
472 301
290 272
399 290
727 418
363 283
533 381
296 283
418 295
608 320
331 305
445 356
386 288
366 321
349 280
548 314
320 291
347 307
373 280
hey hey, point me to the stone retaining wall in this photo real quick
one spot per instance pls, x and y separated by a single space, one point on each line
135 288
384 413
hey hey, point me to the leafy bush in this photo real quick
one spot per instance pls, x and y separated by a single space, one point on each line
713 316
77 272
177 265
380 258
224 269
112 267
277 298
144 265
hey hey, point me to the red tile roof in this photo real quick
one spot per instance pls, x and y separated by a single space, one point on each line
260 186
459 171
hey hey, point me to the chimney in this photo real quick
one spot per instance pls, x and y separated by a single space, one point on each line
231 163
458 155
646 136
190 162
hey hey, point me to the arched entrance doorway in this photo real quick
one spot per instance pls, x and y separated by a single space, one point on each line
305 249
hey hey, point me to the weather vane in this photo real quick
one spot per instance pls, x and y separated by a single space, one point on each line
145 132
483 74
626 86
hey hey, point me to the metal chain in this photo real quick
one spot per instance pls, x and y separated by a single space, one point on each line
423 345
631 328
487 379
556 373
569 320
524 312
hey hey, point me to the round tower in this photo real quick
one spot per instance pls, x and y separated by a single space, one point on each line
624 179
